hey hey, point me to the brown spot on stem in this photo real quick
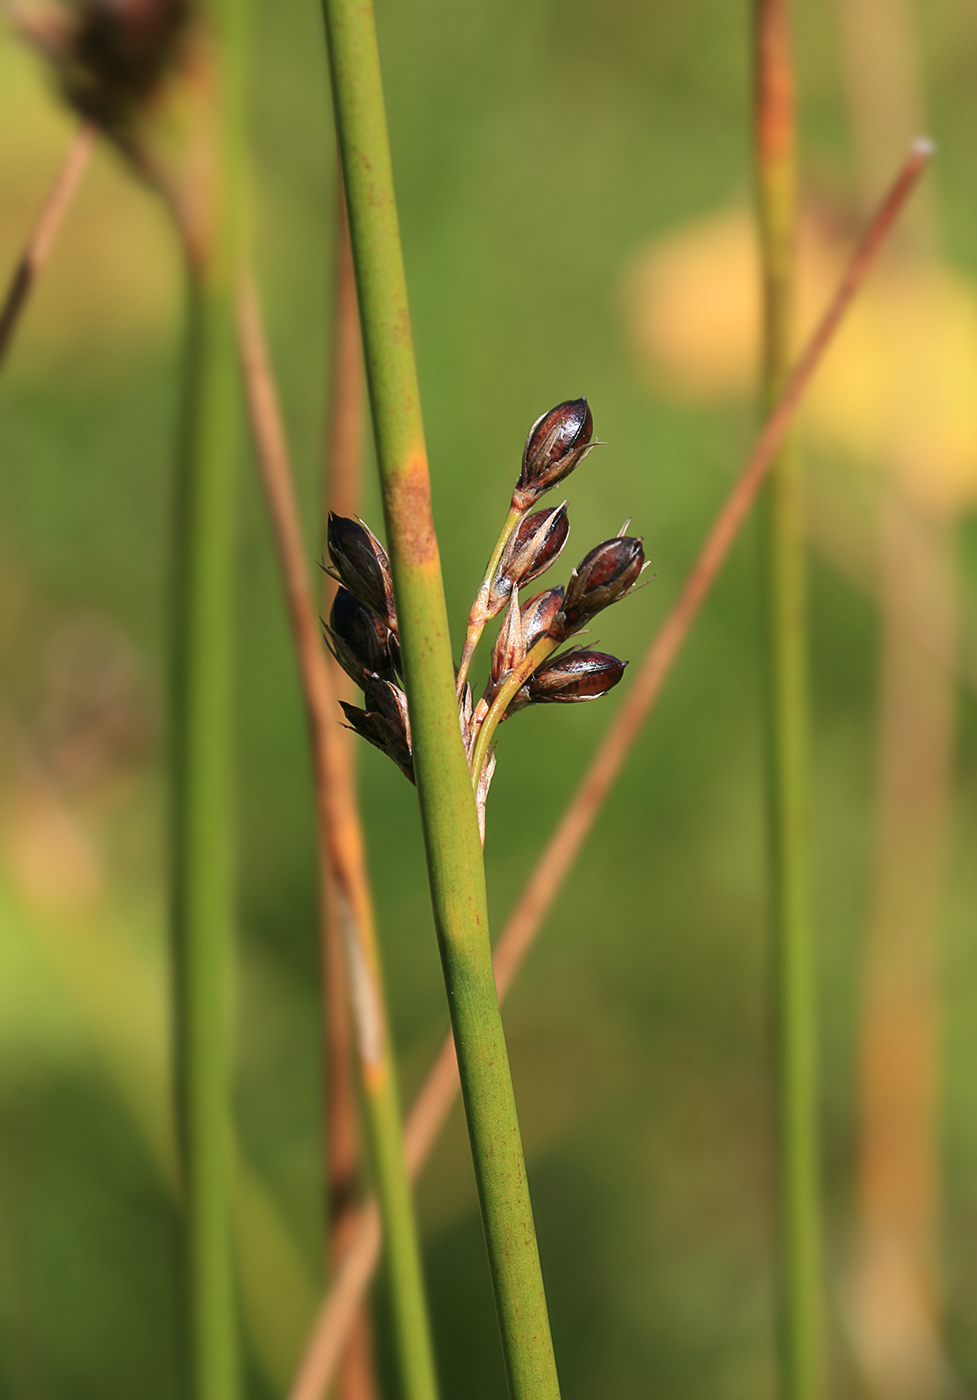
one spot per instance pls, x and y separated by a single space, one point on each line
411 522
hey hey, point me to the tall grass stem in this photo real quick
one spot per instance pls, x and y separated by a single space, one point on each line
784 686
431 1107
447 803
200 744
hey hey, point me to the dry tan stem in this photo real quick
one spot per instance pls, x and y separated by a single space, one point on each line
41 241
339 823
895 1290
434 1101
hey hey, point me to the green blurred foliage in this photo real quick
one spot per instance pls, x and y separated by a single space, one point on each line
537 148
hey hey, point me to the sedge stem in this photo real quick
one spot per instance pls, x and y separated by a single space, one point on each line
786 729
449 819
200 751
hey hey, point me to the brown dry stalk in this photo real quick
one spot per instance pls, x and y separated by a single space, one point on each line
438 1093
894 1283
339 828
338 818
41 241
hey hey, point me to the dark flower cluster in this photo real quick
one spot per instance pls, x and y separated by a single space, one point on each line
363 635
111 56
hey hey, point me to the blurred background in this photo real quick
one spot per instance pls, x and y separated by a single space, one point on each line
575 187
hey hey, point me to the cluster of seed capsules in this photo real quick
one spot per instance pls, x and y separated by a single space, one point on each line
363 633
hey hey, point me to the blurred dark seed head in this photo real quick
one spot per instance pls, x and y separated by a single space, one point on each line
538 614
113 55
557 442
536 543
359 640
604 577
360 563
576 676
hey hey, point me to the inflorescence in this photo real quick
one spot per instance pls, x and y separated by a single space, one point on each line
363 635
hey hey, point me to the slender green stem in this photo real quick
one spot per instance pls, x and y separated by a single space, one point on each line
201 899
200 750
479 614
516 678
201 768
785 686
447 803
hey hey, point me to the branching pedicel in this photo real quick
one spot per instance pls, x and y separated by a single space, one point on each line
362 630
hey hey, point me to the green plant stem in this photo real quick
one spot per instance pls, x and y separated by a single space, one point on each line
785 687
201 895
479 614
447 803
516 678
200 749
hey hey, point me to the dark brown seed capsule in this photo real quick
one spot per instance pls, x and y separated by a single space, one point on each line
604 577
360 563
538 614
359 640
576 676
557 442
536 543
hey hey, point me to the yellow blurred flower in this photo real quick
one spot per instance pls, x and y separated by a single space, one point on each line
896 391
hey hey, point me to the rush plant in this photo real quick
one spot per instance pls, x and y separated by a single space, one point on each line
387 629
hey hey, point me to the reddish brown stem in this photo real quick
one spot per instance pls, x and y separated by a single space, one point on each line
434 1101
41 241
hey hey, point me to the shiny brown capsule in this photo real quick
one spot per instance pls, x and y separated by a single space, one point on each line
557 442
607 573
576 676
536 543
